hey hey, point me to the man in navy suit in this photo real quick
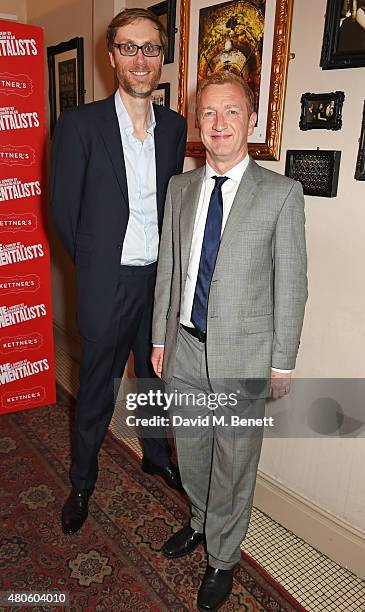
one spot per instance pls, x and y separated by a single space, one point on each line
111 163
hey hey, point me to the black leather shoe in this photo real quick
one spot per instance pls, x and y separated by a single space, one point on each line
74 512
215 589
169 473
182 543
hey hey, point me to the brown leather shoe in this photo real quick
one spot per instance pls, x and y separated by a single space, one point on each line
182 543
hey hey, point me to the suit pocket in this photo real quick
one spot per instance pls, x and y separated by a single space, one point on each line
255 325
252 229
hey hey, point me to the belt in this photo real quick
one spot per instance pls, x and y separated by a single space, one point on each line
193 331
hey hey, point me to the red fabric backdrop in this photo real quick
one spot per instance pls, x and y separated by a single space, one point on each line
26 343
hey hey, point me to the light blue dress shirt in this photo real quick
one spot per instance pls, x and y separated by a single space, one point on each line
140 246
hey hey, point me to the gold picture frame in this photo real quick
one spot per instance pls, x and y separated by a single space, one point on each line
265 143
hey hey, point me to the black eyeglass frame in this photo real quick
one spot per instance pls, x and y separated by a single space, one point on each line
137 47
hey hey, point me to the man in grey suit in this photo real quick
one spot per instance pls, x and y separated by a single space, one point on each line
229 304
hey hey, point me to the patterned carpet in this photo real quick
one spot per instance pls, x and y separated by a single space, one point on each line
113 564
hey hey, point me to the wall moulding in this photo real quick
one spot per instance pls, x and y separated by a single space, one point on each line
328 533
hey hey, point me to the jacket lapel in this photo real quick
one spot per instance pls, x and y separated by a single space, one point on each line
246 192
190 198
162 162
110 133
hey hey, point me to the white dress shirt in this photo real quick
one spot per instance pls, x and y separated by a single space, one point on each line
140 245
229 190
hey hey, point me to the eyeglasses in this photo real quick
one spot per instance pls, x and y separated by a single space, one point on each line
129 48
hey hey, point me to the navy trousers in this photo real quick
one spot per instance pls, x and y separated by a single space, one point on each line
103 362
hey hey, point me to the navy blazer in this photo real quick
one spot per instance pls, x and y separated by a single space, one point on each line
89 197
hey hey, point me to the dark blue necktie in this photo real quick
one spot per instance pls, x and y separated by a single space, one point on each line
210 246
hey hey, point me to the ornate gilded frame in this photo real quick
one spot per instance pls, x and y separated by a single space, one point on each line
270 149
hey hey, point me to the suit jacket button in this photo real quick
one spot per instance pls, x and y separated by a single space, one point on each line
119 246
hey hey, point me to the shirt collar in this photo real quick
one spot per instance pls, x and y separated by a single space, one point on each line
124 119
236 173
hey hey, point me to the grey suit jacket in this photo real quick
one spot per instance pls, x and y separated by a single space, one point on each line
259 286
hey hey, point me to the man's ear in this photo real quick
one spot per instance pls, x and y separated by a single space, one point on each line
111 58
251 123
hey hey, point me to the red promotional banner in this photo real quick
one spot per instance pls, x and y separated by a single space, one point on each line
27 375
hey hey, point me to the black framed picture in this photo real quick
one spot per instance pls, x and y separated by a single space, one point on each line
344 35
66 76
166 13
316 170
322 111
161 95
360 163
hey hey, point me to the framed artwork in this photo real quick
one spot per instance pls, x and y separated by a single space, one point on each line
360 163
161 95
321 111
317 171
344 35
248 37
66 76
166 12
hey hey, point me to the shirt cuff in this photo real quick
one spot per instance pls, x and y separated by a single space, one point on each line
158 345
282 371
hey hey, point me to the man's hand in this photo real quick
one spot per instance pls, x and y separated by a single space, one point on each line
280 384
157 359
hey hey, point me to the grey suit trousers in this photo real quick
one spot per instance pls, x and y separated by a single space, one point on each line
217 462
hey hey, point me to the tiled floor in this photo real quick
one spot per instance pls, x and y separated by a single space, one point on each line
315 581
